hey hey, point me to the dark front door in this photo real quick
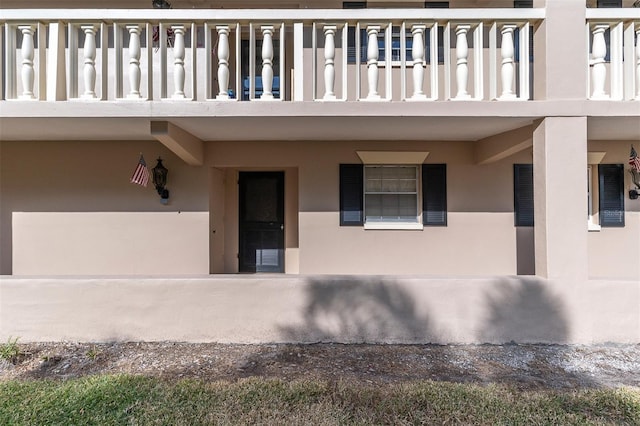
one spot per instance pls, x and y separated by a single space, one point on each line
261 222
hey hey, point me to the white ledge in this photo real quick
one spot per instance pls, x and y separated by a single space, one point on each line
397 226
613 14
274 15
392 157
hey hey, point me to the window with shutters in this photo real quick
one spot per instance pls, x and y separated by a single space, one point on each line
393 196
610 195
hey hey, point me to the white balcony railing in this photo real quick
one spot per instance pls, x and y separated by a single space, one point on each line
614 54
268 55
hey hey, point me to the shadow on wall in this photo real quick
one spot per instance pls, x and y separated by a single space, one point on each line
523 310
359 310
373 310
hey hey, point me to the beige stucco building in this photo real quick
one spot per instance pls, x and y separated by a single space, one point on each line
380 171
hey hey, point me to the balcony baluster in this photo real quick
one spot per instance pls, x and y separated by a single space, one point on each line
89 61
27 50
329 62
462 56
267 62
223 62
372 62
134 62
417 31
178 62
508 66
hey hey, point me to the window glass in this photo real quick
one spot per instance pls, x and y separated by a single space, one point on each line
391 193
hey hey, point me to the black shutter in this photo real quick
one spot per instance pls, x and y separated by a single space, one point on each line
522 4
351 195
611 186
609 3
523 194
354 4
434 194
436 5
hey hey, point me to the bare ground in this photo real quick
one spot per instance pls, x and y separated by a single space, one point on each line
522 366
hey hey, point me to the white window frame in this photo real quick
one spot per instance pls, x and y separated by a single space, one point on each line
388 223
593 159
592 223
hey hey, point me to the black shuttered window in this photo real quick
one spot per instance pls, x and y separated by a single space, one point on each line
351 195
523 194
611 189
434 194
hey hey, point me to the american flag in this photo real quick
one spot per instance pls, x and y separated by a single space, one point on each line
141 174
634 160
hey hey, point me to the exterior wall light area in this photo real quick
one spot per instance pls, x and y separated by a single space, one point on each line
160 181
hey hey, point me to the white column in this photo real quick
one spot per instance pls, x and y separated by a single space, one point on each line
223 62
638 64
89 71
178 62
134 62
267 62
508 62
329 62
599 68
418 51
462 55
372 62
560 198
28 52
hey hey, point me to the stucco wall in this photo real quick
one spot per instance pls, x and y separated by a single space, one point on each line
480 238
73 211
259 309
69 208
110 243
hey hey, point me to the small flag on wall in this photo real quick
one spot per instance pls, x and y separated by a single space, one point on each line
634 160
141 174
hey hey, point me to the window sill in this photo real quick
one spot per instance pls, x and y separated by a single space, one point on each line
592 227
391 225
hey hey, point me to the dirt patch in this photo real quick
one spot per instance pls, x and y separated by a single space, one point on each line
523 366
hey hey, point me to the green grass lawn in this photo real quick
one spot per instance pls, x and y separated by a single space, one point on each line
125 400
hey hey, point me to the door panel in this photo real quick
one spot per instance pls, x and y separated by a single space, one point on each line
261 224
